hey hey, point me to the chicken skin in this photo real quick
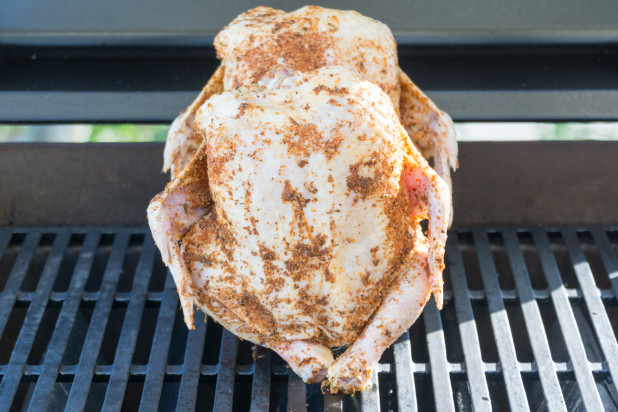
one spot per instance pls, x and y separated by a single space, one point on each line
296 225
310 38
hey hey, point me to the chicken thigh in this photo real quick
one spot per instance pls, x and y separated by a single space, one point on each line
296 224
310 38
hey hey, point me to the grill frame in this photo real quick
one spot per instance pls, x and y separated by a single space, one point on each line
497 183
484 78
437 368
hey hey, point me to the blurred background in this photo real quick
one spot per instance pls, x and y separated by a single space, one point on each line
509 131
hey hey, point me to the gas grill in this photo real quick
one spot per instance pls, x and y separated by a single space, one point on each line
89 315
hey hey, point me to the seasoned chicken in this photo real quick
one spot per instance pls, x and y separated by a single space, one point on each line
296 224
307 39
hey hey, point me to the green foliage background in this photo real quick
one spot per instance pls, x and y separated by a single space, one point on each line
128 133
114 133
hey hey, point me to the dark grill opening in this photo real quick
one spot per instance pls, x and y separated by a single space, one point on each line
100 260
69 259
77 335
37 261
146 332
213 344
521 339
452 339
424 393
178 344
111 335
487 342
43 336
13 324
418 344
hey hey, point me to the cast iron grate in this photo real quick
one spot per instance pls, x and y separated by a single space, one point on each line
89 318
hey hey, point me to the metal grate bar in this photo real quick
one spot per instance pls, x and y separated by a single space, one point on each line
442 391
370 397
187 396
297 393
66 318
566 319
128 337
476 296
260 392
500 324
608 256
596 310
160 348
224 392
477 382
98 322
406 390
534 324
23 345
102 373
18 273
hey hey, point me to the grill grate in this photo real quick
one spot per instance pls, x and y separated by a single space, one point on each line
89 319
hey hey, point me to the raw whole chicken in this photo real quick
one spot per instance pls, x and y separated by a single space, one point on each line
296 224
307 39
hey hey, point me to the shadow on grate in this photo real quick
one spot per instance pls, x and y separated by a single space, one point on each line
89 318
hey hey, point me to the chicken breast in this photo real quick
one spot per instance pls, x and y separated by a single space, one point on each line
296 225
310 38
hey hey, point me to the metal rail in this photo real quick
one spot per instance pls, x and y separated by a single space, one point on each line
544 81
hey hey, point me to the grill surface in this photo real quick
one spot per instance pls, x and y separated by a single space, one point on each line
89 318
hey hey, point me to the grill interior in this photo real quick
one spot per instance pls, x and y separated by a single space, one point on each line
89 318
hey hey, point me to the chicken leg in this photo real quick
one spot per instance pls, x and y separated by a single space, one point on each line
401 306
421 274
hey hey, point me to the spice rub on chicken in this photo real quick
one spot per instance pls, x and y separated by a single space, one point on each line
310 38
296 225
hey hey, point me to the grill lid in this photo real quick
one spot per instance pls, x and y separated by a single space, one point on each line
89 318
